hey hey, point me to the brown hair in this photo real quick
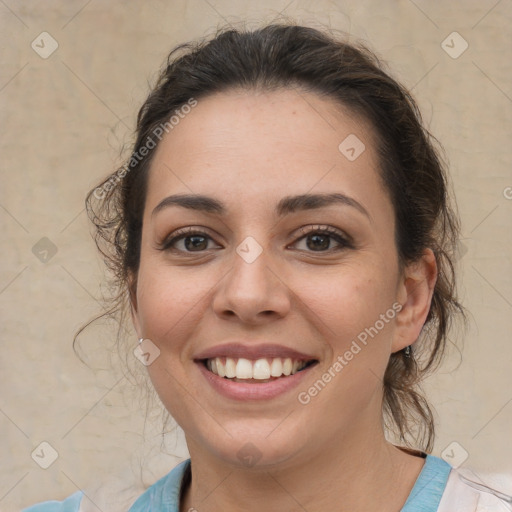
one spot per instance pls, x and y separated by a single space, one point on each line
289 56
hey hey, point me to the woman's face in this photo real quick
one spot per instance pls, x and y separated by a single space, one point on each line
265 240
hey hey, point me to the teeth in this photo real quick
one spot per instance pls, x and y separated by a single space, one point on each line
230 368
220 368
276 368
262 369
287 366
243 369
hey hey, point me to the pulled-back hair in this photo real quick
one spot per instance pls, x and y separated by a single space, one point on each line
288 56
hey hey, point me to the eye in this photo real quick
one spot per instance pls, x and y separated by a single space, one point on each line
315 239
322 239
188 240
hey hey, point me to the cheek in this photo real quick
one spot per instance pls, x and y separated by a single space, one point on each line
349 299
170 300
348 308
170 305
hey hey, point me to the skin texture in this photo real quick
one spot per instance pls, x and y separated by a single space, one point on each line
250 149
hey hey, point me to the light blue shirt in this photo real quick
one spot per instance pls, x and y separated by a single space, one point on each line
164 495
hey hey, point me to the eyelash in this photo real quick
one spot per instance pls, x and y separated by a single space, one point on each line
343 240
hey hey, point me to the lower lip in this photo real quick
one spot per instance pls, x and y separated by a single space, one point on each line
254 391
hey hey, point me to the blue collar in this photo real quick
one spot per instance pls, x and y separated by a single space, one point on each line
425 496
429 487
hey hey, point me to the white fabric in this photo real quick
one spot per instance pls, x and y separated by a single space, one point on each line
460 496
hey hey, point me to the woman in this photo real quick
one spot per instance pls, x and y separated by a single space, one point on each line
283 233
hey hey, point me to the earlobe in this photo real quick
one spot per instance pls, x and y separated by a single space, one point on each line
415 295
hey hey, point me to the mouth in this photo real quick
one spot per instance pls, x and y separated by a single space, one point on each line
259 371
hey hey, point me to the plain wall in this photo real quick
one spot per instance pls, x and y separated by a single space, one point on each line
64 120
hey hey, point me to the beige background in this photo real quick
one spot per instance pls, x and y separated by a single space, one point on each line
64 120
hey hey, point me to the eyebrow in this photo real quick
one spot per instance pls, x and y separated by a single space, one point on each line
285 206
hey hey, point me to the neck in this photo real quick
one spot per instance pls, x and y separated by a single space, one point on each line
356 475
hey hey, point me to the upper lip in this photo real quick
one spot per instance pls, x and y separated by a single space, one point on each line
253 352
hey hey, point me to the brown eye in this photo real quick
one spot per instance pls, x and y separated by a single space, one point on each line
188 241
322 240
196 243
318 242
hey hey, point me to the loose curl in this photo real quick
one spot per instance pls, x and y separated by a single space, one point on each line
288 56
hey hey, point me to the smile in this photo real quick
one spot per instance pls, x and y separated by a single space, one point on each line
256 371
254 379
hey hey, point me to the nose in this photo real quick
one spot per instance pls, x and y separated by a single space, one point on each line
252 293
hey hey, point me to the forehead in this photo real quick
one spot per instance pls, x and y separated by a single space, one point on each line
247 146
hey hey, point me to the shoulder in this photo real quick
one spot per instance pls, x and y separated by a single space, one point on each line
164 496
165 493
468 492
441 488
71 504
429 486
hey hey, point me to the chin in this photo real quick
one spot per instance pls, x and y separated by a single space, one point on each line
254 448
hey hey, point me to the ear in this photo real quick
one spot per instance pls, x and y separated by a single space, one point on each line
132 295
415 292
